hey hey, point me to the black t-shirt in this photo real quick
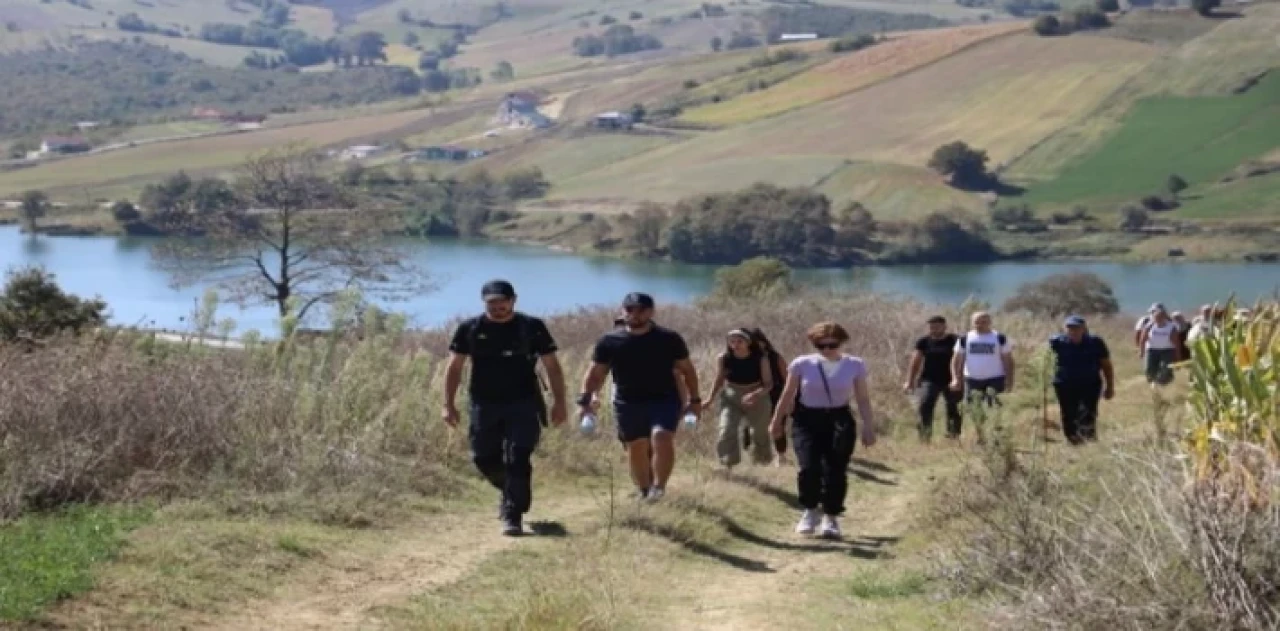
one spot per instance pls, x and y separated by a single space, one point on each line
503 356
643 365
937 357
743 371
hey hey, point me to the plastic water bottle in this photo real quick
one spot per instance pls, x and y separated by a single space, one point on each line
690 420
588 426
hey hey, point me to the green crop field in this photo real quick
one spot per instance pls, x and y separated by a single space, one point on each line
1198 138
1215 63
1253 198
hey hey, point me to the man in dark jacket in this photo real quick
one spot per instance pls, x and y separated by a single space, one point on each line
1082 376
507 408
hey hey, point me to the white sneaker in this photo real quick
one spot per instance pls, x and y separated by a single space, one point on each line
655 494
830 527
808 522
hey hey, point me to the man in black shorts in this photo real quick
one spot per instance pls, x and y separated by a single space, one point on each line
930 375
507 408
645 360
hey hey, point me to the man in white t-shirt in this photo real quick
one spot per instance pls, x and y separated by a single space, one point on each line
983 362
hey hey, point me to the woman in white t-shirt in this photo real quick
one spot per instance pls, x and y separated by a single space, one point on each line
983 362
1159 344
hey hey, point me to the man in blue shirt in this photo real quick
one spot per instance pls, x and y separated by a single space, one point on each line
1082 376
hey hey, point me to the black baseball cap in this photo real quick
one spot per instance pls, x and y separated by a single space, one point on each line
636 299
497 289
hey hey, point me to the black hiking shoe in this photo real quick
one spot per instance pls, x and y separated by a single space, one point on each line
511 526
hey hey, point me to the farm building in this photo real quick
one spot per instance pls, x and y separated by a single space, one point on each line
64 145
447 152
520 109
613 120
359 152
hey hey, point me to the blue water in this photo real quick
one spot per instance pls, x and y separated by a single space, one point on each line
121 272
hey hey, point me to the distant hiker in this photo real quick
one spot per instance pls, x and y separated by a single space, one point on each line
1159 344
983 362
741 388
1184 331
507 408
778 372
824 427
1083 373
647 362
929 376
1144 322
1201 326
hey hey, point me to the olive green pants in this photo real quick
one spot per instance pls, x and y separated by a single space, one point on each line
734 414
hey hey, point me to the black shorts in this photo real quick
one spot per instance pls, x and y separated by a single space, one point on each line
639 419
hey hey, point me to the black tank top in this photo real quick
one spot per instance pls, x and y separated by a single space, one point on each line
742 371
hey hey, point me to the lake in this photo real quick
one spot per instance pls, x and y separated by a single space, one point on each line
120 271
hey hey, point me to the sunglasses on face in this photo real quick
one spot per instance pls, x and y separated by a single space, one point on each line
826 345
633 309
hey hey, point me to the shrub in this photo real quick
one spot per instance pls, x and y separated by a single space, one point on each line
125 212
1205 7
1046 25
1108 6
1175 185
1133 219
1061 294
755 278
32 306
965 166
1156 203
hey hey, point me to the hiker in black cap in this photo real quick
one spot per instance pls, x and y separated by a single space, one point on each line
507 408
646 361
1083 374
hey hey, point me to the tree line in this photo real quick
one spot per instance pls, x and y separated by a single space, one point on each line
836 21
129 82
800 227
618 39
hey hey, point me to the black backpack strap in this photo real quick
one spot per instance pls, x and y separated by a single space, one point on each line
822 372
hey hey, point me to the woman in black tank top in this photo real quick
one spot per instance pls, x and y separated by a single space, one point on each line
742 386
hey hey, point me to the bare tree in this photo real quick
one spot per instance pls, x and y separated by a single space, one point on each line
294 238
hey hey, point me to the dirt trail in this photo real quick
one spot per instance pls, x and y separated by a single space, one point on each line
742 601
433 552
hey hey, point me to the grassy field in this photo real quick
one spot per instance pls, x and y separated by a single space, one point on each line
1002 96
848 73
1198 138
893 191
1213 64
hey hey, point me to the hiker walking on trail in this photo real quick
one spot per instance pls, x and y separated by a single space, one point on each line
820 387
1082 375
507 408
983 362
1158 344
1144 322
929 377
1184 331
778 373
742 385
645 360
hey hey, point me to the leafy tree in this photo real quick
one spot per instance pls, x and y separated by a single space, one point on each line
436 81
717 43
282 245
405 16
756 278
35 205
428 62
1205 7
1108 6
526 184
503 71
125 212
1175 185
638 112
32 306
1086 18
1133 219
1047 25
742 40
964 165
1081 293
856 42
648 222
410 39
606 20
370 47
619 39
635 15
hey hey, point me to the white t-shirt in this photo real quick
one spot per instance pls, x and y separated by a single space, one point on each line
983 354
1160 338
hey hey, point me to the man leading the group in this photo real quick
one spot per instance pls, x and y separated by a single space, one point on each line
1082 375
646 360
507 409
983 362
929 376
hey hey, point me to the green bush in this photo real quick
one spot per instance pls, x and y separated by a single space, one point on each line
760 277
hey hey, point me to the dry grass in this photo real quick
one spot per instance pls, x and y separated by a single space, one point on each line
849 73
